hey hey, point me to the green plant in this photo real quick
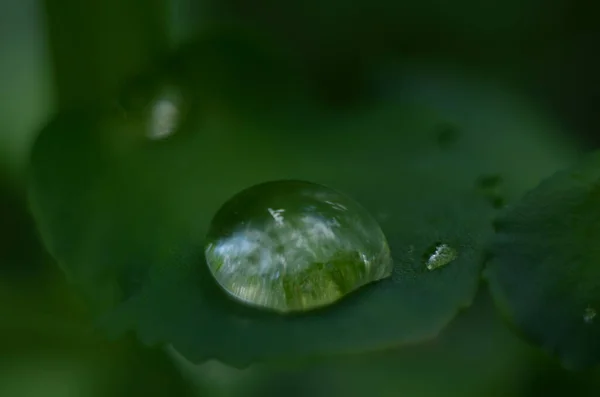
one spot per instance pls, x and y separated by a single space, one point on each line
125 212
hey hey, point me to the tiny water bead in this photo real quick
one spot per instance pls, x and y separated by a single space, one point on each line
165 115
294 246
442 255
164 119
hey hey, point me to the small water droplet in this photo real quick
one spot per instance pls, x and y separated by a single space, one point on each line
589 314
442 255
294 246
164 117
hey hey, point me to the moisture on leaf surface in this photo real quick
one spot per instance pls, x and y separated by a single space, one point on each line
127 216
294 246
544 270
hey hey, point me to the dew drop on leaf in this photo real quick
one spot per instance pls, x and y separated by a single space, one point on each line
164 116
589 315
440 256
294 246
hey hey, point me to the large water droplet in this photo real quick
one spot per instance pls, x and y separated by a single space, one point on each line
294 246
442 255
589 314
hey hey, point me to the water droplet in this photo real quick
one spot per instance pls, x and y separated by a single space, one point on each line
164 116
294 246
442 255
589 314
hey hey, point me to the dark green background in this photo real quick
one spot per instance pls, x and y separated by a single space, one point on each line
518 78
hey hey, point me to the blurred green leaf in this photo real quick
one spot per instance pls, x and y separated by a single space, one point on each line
47 334
96 47
126 215
42 337
544 271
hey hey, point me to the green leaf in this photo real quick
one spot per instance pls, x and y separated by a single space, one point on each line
126 216
545 266
94 49
447 366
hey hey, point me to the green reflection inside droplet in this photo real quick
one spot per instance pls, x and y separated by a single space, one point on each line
294 246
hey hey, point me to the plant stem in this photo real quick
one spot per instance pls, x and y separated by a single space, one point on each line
95 45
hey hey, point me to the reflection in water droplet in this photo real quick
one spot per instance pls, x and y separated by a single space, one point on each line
164 118
588 315
441 256
294 246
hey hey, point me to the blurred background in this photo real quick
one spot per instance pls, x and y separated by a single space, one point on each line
535 60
